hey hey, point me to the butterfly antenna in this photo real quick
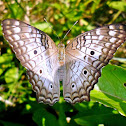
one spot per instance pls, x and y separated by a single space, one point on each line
52 28
69 30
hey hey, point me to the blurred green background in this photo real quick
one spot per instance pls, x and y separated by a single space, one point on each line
18 106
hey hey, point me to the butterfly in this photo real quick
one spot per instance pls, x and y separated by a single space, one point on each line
78 65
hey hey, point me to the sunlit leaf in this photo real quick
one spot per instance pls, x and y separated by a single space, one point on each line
111 90
11 76
119 5
5 58
46 27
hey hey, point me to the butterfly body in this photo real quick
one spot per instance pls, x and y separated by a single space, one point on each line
78 65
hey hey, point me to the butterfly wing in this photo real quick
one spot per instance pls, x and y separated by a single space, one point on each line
38 54
85 56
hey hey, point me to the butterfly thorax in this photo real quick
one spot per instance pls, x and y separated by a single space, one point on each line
61 59
61 53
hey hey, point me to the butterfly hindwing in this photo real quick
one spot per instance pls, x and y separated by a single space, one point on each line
85 56
38 53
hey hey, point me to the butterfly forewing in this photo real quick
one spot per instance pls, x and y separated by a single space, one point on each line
38 53
85 56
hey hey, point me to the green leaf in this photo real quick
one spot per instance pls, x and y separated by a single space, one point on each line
44 27
119 5
61 109
56 5
93 114
110 89
94 6
11 76
6 58
1 71
43 118
97 118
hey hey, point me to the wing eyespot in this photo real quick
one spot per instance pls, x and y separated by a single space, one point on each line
106 38
35 51
85 72
73 85
40 71
92 52
51 86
